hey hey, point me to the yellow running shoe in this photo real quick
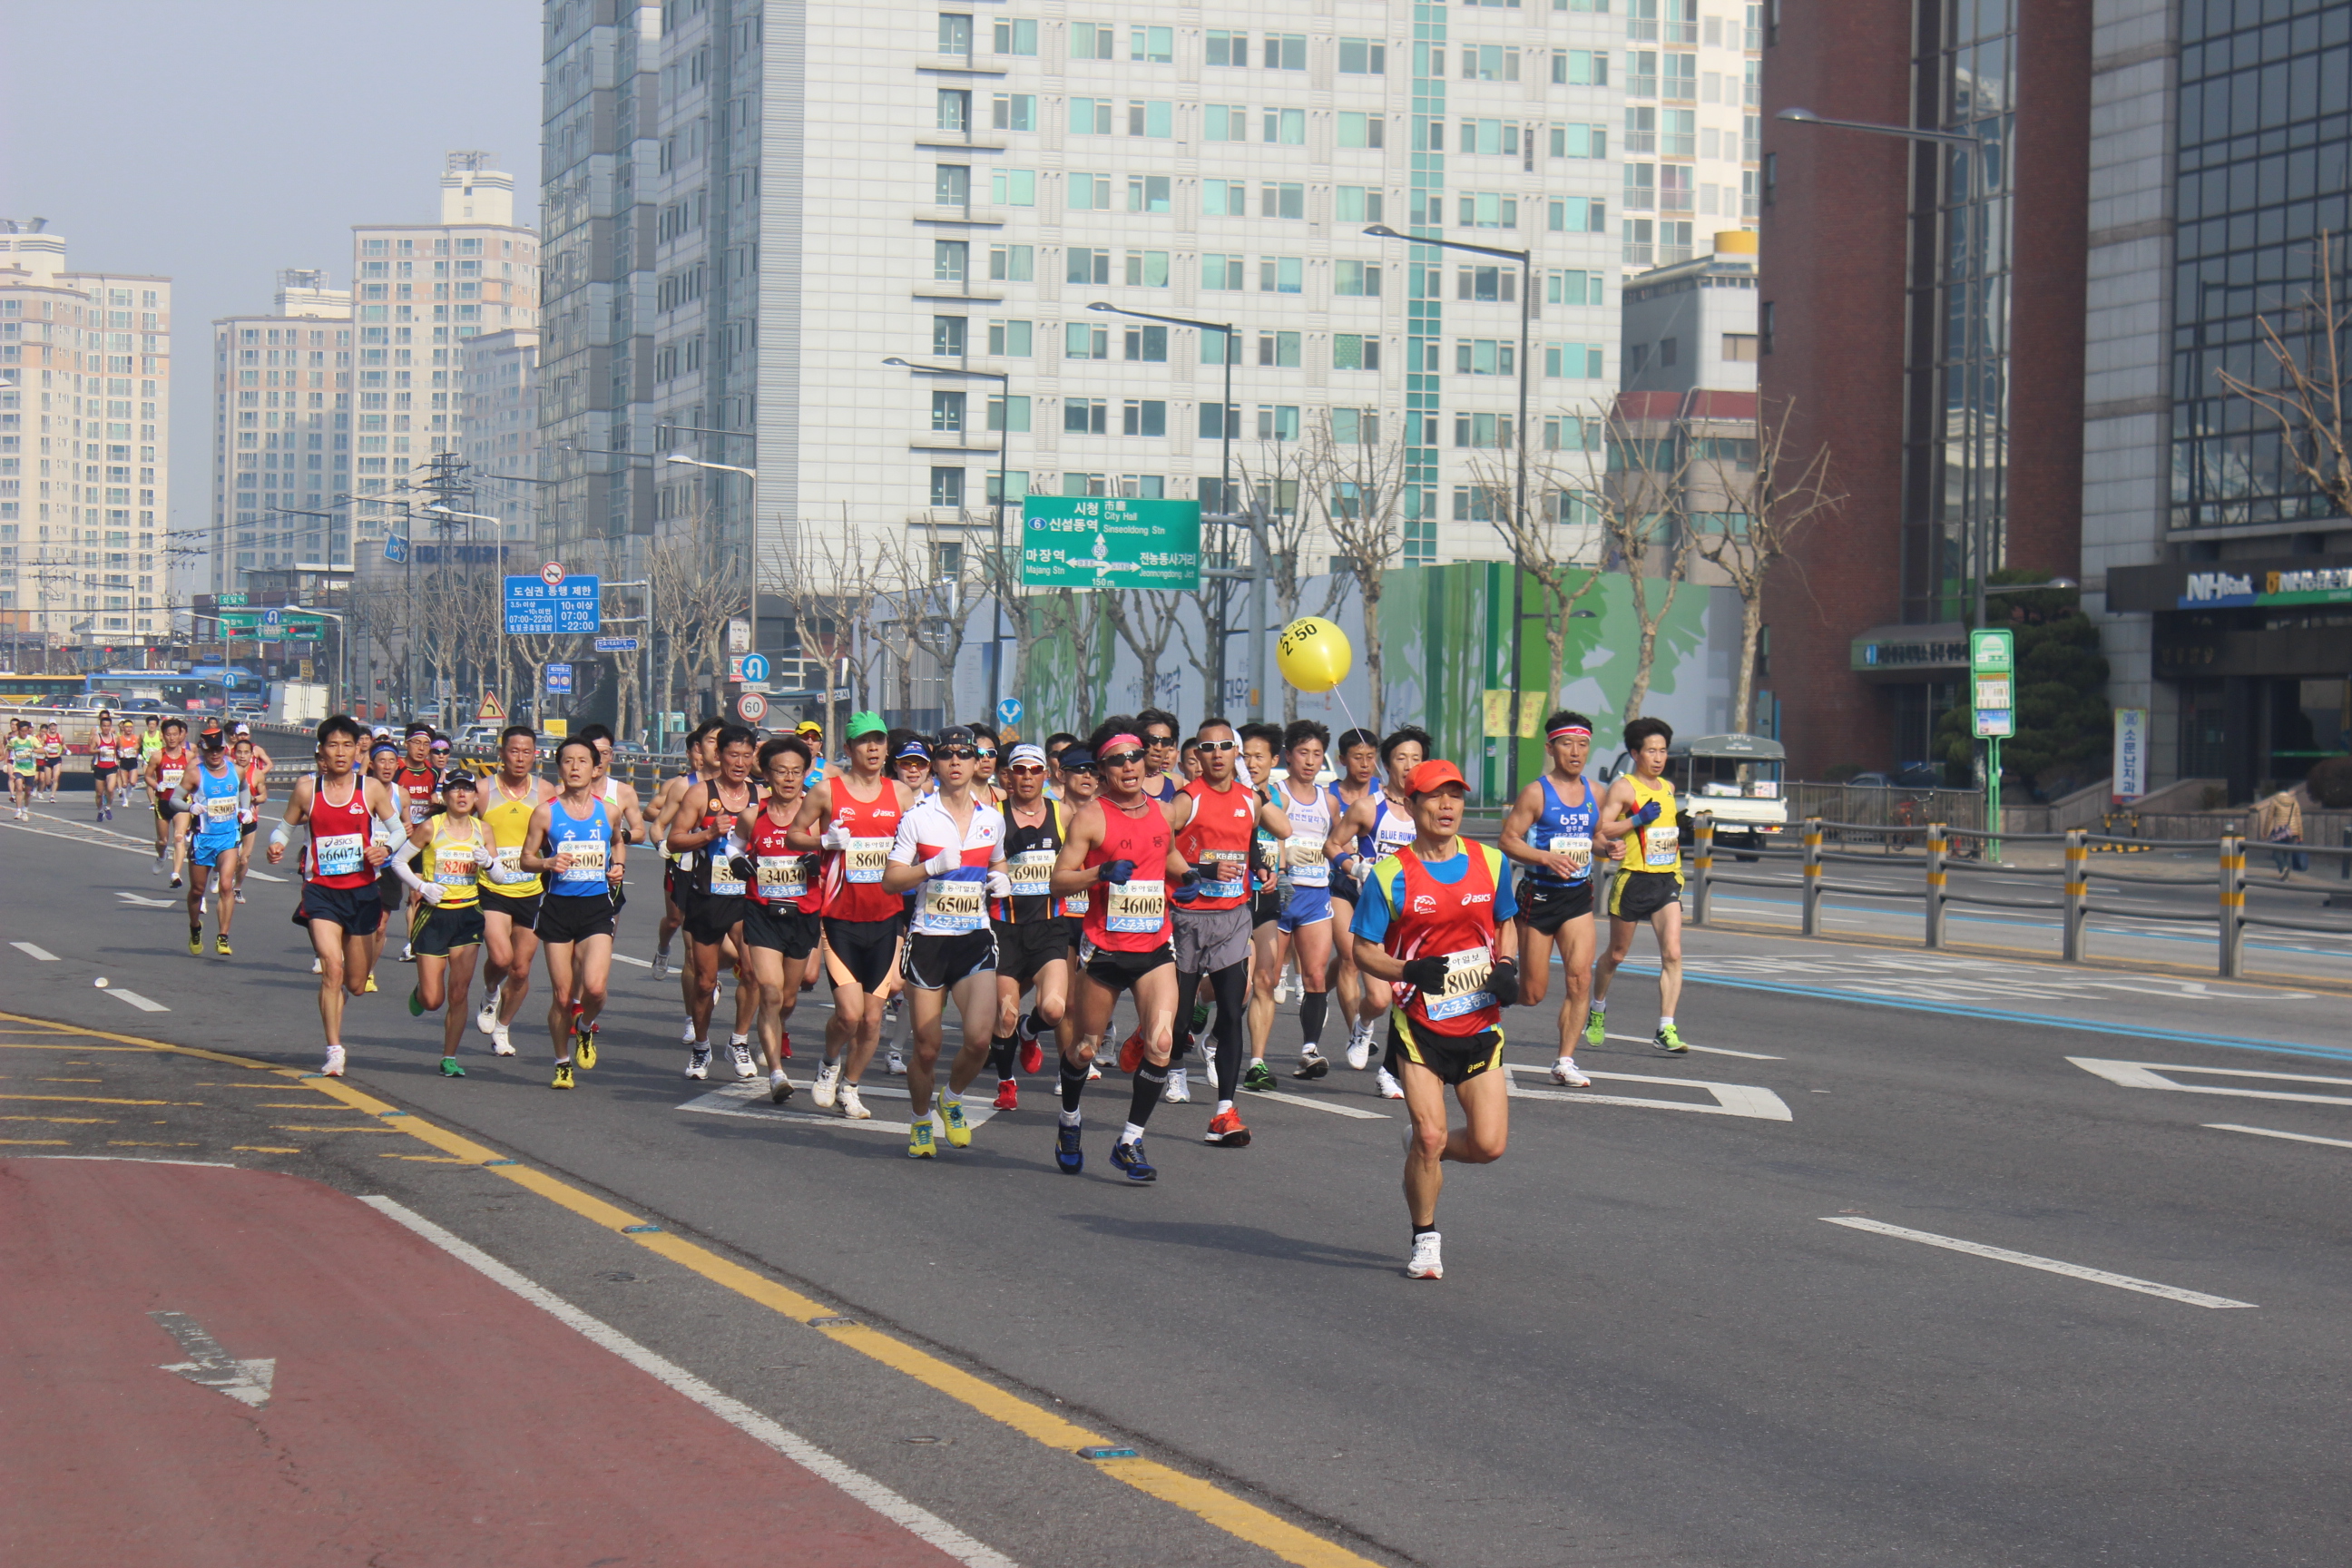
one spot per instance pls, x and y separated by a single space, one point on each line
1668 1038
563 1076
370 984
1596 1028
195 941
919 1141
220 945
959 1128
584 1048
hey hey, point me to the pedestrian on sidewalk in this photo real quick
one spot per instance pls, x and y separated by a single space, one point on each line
2278 820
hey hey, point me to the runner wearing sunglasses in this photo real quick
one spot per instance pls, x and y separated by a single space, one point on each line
1033 927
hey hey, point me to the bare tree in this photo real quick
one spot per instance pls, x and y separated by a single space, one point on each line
998 575
814 571
699 582
934 590
1557 543
1638 501
1144 619
1298 520
1358 488
2307 345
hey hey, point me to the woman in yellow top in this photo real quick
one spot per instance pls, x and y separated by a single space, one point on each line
1648 885
510 895
446 930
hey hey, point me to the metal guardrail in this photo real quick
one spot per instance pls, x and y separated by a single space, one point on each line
2229 918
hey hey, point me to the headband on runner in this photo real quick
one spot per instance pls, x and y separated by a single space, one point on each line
1567 730
1136 740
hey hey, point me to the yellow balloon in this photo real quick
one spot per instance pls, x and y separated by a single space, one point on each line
1313 654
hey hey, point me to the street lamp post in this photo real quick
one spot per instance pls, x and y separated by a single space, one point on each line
1003 484
444 512
1526 258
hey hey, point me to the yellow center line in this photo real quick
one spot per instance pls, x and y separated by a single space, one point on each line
97 1100
1204 1500
33 1142
260 1149
63 1120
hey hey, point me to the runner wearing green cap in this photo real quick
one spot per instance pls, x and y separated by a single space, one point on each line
854 819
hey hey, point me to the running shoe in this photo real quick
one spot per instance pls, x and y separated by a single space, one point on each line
1311 1064
1008 1095
1033 1055
563 1076
740 1050
1069 1149
1667 1039
369 989
780 1088
919 1141
486 1020
156 869
1093 1072
1425 1264
898 1065
1596 1028
500 1045
240 895
318 966
1179 1088
1131 1052
685 1032
698 1062
1390 1087
852 1107
1564 1071
584 1045
1359 1045
784 1045
828 1081
416 1003
1258 1076
449 1068
1128 1157
957 1125
661 963
1226 1131
176 879
335 1060
196 940
221 946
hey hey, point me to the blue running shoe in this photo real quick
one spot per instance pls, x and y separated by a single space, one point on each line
1069 1152
1128 1157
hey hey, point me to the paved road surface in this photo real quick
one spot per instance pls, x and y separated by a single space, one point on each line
1650 1347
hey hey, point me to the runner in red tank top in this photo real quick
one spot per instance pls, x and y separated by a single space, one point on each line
780 934
338 899
1123 839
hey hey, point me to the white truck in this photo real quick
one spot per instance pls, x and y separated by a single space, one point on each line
296 702
1734 779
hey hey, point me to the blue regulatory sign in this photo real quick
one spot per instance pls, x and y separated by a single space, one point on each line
395 549
1008 710
755 669
570 609
559 677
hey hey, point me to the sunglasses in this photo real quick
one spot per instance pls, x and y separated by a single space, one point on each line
1119 759
959 753
1218 745
985 751
1087 768
1160 739
1025 770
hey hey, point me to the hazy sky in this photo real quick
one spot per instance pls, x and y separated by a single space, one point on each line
216 141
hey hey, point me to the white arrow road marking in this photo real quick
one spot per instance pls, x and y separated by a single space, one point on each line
1335 1108
144 902
41 955
1710 1050
137 1001
1730 1099
640 963
2273 1133
2150 1075
209 1366
264 876
749 1097
2047 1265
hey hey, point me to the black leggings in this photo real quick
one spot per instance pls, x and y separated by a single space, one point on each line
1231 988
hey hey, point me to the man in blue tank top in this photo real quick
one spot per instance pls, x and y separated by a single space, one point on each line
1551 832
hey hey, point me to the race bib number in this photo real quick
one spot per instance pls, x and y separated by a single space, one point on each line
954 906
1464 990
1307 866
1135 906
509 860
1578 848
781 876
724 883
587 858
864 859
339 854
219 810
1661 844
1232 878
1032 873
1076 904
453 866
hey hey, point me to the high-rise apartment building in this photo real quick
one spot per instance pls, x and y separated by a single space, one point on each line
281 434
85 446
749 208
499 434
1692 72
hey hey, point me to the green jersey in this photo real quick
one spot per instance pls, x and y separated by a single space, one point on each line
24 754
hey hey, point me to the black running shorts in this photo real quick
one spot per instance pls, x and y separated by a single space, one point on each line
867 949
1547 906
1117 970
709 918
523 911
936 963
576 916
1454 1058
1638 895
1026 947
791 932
436 933
357 909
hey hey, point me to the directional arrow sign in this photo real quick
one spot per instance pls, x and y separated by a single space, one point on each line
146 903
209 1366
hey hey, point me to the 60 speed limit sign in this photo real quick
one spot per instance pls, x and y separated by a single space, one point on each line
753 707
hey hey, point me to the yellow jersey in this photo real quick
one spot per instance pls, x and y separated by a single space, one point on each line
508 820
1657 846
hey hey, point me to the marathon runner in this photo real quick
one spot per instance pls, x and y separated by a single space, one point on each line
1374 827
949 854
1122 841
1550 830
1058 742
149 742
1161 778
1358 758
446 931
1648 885
1261 745
105 765
383 765
666 800
854 819
253 767
1303 927
211 793
342 809
781 930
811 735
53 758
1434 927
705 827
576 840
128 758
417 782
985 786
162 772
24 767
1033 927
512 901
910 764
1081 781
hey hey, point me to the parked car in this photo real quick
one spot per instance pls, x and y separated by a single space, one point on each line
482 736
1914 775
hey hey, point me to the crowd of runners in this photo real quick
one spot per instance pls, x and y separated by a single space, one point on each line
1029 887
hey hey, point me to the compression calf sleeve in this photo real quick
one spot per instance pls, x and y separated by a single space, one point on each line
1074 1084
1148 1082
1311 1008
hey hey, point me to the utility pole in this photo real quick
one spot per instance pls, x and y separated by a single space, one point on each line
444 478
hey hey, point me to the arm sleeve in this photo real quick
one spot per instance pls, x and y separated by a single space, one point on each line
1372 920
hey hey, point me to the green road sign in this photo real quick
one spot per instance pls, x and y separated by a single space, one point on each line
270 621
1992 655
1103 542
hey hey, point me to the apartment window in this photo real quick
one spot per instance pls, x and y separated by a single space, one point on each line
1641 193
1488 284
1356 280
1090 116
1015 111
949 259
1748 205
947 487
954 110
1143 486
1147 269
1681 77
1751 87
996 490
947 336
1277 199
1224 198
1147 345
955 34
1487 210
1580 142
1675 188
1011 263
1482 430
1740 347
1224 48
1285 52
1014 37
1076 484
1641 20
1477 503
1669 351
1221 272
1674 242
1680 134
1277 422
1089 193
1485 356
1638 245
1152 117
1286 126
1490 62
1088 264
1571 435
1573 362
1092 41
1148 193
1152 46
1209 430
1281 275
1580 68
1752 137
1278 349
1355 204
1225 122
1642 73
1356 428
1012 187
1490 136
1143 416
1641 130
1572 287
952 185
997 406
1363 56
1085 416
947 412
1353 351
1011 340
1682 21
1083 339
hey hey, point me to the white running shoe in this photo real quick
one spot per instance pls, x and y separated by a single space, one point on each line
1180 1086
486 1020
686 1033
500 1045
1564 1071
740 1050
240 895
318 966
897 1063
1390 1087
1359 1045
334 1068
1093 1072
698 1062
827 1085
1425 1264
157 869
661 963
851 1106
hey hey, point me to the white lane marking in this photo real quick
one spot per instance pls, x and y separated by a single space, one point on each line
1710 1050
749 1097
2047 1265
209 1366
136 1000
1333 1107
1730 1099
2273 1133
2150 1075
919 1521
264 876
39 954
144 902
640 963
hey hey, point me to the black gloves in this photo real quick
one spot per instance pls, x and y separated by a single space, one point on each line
1115 871
1503 982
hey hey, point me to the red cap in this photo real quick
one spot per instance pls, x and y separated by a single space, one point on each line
1434 776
